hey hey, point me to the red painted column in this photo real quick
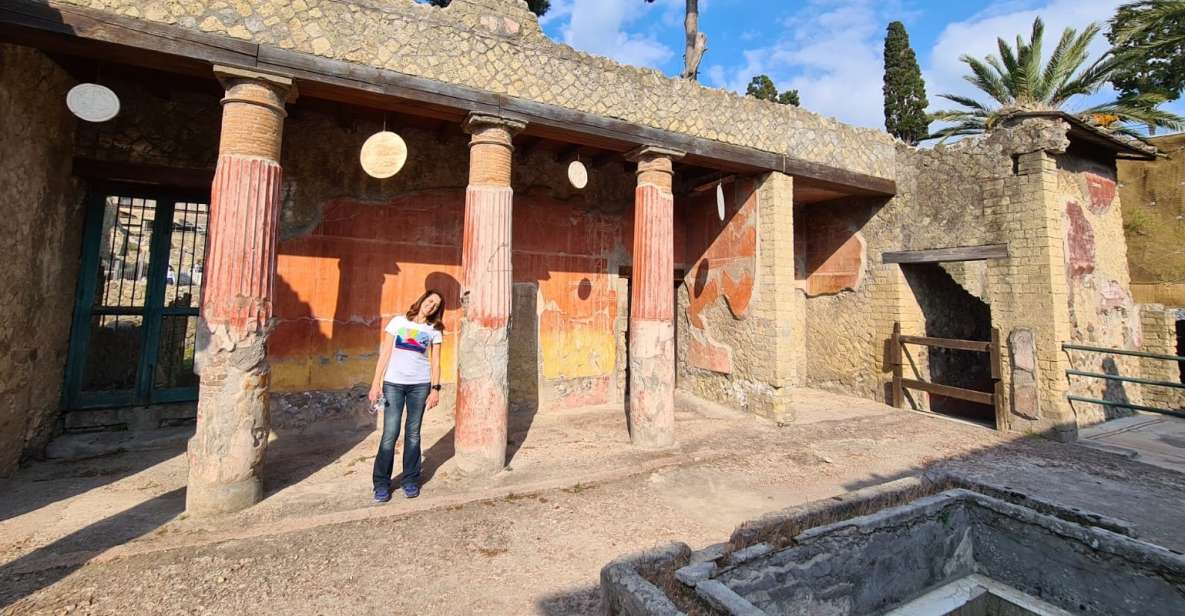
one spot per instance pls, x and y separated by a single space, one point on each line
227 450
482 388
652 302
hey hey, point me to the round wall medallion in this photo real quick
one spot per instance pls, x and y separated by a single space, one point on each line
383 155
92 102
720 201
577 174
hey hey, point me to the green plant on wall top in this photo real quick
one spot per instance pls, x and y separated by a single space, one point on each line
1018 80
761 86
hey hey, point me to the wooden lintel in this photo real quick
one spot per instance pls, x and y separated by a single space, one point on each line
946 255
565 153
91 169
143 43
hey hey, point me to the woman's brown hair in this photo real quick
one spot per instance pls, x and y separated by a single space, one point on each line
436 318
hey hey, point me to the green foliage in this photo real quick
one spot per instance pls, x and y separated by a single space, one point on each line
761 86
904 90
789 97
1017 80
538 7
1152 35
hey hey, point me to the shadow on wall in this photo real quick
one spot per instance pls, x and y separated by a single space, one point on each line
952 312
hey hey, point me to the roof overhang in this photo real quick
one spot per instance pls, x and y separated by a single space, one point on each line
80 31
1086 133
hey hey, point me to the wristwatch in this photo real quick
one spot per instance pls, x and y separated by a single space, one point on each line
436 387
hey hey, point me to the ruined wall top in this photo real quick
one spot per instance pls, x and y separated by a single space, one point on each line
498 46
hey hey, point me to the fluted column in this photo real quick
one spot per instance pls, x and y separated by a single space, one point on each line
482 388
652 302
226 452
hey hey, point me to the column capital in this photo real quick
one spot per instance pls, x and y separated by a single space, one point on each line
648 152
283 85
655 165
477 122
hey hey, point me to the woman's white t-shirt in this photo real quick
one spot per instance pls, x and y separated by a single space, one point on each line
409 354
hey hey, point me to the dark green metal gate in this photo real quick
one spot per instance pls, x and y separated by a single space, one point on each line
1124 379
133 336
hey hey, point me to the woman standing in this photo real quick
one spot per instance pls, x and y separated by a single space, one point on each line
408 374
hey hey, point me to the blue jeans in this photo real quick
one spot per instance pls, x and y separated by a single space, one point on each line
415 397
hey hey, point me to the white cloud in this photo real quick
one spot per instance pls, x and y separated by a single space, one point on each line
599 26
831 52
560 9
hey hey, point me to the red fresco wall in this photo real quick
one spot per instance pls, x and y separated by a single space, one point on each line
365 262
726 265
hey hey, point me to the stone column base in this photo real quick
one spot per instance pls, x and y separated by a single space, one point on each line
219 498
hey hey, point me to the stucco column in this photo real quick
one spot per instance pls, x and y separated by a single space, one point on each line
652 301
226 452
482 388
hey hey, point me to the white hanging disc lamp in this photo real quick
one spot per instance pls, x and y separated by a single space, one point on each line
92 102
383 154
720 200
577 174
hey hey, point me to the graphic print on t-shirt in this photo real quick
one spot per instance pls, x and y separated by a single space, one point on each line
408 339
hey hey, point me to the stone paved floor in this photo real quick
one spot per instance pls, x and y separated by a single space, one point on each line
1152 439
107 536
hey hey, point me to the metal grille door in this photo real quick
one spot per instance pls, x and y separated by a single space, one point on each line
133 338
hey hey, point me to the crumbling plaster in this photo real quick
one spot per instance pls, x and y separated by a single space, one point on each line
42 212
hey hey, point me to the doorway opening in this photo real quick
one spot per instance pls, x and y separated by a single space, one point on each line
133 336
951 311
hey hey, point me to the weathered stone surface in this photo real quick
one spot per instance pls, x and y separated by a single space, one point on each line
624 592
40 207
1080 237
1102 192
1025 399
1152 194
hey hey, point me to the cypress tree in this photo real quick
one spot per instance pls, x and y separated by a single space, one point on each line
905 92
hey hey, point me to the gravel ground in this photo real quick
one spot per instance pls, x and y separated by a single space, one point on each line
539 551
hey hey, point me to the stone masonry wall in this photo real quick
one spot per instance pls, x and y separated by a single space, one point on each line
1102 311
41 234
497 46
736 321
1010 187
1160 337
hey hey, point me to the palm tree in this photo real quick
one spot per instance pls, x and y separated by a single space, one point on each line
1016 81
1165 16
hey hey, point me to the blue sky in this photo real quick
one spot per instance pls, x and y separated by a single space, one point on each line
830 50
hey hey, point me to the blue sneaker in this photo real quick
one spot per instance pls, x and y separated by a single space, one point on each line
411 491
382 494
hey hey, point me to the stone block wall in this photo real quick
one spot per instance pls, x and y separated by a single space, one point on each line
1102 311
41 208
1011 187
737 319
497 46
1160 337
